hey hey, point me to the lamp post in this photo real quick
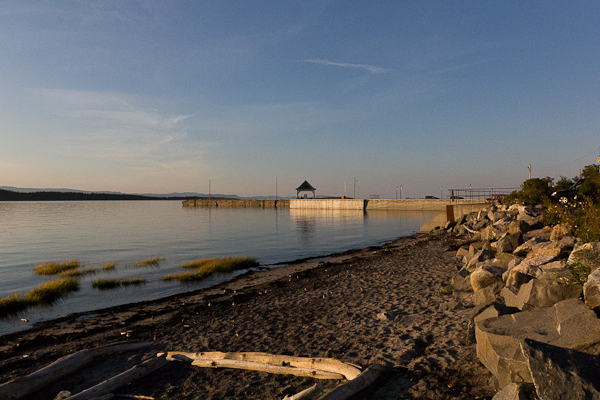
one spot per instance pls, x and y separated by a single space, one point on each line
396 192
441 195
355 180
400 192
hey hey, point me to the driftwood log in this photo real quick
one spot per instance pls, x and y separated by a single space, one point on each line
114 383
345 390
272 369
321 364
308 394
25 385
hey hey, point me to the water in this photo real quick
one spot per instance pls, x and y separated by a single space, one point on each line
96 233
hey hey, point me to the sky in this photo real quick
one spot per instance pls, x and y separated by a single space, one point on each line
254 97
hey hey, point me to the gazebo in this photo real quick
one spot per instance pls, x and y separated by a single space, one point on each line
305 187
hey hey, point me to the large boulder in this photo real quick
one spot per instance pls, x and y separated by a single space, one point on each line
541 293
587 254
560 231
485 275
555 249
509 242
591 290
568 324
559 373
488 294
528 243
481 256
516 226
461 281
541 233
491 233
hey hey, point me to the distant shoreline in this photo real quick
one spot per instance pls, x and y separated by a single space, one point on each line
8 195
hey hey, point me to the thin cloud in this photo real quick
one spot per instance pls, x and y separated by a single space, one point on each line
371 68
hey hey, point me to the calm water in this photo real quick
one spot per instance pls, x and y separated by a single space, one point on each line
96 233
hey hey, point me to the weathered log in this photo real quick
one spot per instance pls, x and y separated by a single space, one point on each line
307 394
272 369
345 390
323 364
25 385
112 384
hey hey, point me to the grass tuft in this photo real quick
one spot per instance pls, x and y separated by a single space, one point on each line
56 268
149 262
133 282
446 291
109 267
12 305
50 292
206 267
78 273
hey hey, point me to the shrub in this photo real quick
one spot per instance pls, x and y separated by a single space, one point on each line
56 268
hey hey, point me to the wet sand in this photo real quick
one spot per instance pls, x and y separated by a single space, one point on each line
375 306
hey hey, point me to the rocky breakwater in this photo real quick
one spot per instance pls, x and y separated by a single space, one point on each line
534 319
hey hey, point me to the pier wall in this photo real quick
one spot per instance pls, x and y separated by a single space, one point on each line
234 203
328 204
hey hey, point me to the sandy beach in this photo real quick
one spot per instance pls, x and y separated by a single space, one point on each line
376 306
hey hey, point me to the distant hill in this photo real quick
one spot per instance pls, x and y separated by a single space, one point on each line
11 193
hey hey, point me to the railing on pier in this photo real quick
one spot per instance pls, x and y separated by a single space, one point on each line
488 195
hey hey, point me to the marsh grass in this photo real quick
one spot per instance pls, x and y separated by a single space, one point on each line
133 282
50 292
13 305
109 267
108 284
206 267
152 262
56 268
78 273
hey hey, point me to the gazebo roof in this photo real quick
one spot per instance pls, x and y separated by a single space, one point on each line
305 187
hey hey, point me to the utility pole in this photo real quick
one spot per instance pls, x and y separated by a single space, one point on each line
209 189
355 180
275 188
345 189
441 195
396 192
400 192
529 171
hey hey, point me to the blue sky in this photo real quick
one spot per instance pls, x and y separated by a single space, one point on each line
155 96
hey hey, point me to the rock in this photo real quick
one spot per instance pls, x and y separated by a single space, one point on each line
488 294
591 290
516 278
495 216
527 245
486 275
521 227
509 242
534 222
555 249
450 224
491 233
568 324
570 241
543 233
560 231
517 391
587 254
532 266
543 293
562 374
485 311
482 223
510 294
480 256
462 252
461 281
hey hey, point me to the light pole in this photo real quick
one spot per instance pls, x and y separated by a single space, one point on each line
396 192
441 195
400 192
355 180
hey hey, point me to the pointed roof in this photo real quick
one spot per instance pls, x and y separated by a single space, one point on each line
305 187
